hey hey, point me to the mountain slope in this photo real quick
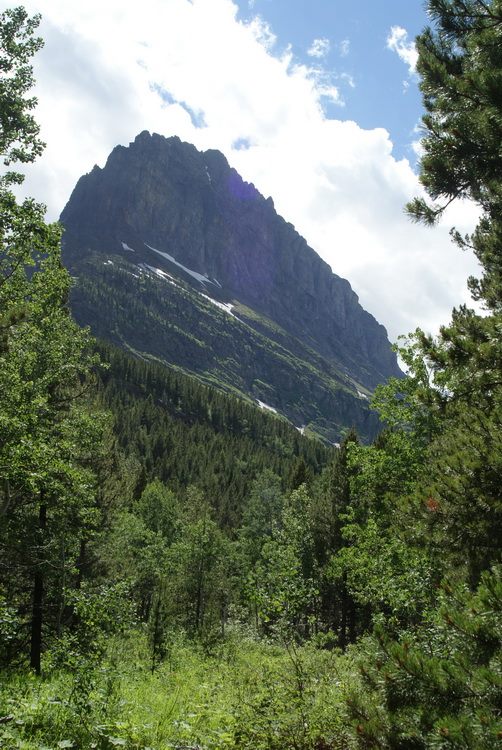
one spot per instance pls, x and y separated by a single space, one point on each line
174 429
179 260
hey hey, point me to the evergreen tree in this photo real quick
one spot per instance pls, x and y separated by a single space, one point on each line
439 687
335 507
460 63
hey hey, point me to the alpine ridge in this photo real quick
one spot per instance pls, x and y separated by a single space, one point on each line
179 260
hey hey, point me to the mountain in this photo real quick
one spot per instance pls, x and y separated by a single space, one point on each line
178 260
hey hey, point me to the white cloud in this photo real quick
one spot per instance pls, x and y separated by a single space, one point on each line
100 78
319 48
348 79
344 47
397 41
262 32
416 144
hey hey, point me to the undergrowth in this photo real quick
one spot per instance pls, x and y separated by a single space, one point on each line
242 694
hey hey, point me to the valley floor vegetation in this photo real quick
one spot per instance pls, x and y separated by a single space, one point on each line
180 570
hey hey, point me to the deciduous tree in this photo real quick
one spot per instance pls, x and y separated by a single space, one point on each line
47 436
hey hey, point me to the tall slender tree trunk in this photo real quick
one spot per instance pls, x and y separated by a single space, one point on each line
223 617
5 498
81 563
352 620
198 599
343 618
38 594
62 594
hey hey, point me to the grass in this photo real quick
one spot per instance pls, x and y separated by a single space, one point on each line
244 694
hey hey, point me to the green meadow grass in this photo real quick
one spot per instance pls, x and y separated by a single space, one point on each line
243 694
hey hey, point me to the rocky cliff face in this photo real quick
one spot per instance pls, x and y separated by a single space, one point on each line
187 225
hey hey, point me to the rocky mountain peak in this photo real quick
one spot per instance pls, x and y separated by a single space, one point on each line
190 215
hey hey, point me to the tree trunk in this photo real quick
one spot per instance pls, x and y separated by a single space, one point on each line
81 563
343 618
352 621
38 596
198 600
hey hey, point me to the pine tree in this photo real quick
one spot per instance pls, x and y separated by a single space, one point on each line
440 686
460 63
332 508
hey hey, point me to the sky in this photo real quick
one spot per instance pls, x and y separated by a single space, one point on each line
316 102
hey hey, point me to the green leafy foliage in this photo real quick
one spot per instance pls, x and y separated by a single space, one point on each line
47 436
282 583
247 696
436 683
19 140
460 67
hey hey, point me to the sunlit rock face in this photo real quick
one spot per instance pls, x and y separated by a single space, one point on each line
187 226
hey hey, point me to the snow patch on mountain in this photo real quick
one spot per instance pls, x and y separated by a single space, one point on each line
263 405
225 306
201 278
157 272
125 246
